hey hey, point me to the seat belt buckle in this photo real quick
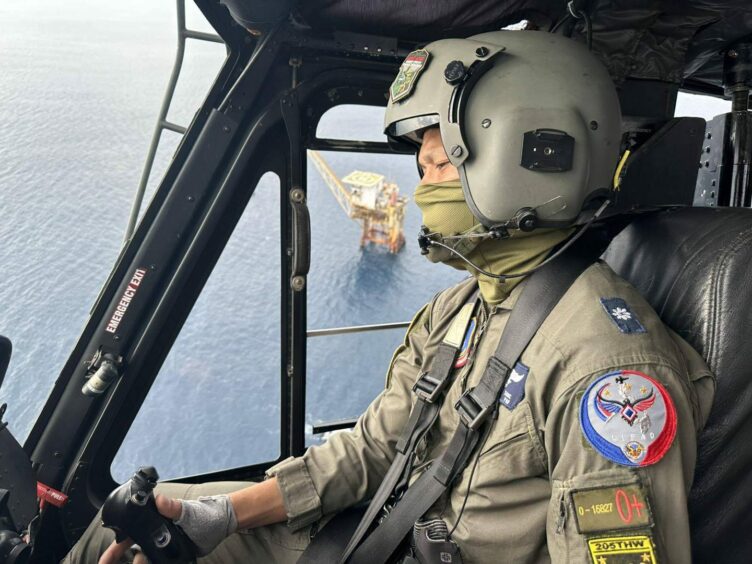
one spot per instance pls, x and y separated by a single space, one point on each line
471 412
429 388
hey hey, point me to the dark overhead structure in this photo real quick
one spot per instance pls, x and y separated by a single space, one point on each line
676 42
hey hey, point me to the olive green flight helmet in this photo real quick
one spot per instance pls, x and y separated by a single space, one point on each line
531 120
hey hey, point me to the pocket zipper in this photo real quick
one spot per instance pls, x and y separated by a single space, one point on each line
562 519
486 316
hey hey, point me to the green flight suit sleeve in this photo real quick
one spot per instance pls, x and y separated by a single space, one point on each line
601 511
349 467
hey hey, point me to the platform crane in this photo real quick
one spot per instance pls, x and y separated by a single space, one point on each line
367 198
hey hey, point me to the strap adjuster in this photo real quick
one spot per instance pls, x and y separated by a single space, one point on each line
428 388
472 413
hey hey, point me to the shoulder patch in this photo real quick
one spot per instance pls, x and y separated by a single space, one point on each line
628 417
408 73
622 315
514 389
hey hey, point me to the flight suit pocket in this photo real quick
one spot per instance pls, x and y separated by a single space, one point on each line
507 457
504 489
516 427
271 538
594 517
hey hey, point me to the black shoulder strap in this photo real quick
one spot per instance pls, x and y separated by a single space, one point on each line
541 293
326 545
429 391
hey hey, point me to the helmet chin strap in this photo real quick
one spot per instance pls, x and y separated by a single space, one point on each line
427 239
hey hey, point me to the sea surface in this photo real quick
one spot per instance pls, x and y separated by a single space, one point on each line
80 87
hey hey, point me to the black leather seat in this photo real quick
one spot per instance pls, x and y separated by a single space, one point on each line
694 266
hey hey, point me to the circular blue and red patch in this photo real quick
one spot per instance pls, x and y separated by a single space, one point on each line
628 417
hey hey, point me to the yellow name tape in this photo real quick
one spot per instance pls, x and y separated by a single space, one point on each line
622 550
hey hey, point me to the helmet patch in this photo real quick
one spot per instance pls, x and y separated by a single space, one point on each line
628 417
408 73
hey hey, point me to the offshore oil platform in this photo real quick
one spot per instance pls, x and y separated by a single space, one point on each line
370 201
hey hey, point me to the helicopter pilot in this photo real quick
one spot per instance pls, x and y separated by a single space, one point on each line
589 449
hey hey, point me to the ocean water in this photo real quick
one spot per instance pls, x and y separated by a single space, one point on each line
80 88
79 92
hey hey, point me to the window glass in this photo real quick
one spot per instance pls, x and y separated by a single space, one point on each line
80 89
215 402
698 105
346 372
349 285
353 123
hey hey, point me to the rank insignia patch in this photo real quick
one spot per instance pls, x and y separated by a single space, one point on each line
408 73
621 314
464 355
514 389
628 417
632 549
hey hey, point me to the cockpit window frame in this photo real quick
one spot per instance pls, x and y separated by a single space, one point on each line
321 82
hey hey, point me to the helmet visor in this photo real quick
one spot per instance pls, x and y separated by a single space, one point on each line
412 128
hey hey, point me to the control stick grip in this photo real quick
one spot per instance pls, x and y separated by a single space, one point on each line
131 511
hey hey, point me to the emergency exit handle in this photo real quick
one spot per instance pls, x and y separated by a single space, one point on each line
301 236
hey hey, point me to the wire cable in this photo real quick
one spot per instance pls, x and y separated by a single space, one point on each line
486 434
578 13
588 30
558 24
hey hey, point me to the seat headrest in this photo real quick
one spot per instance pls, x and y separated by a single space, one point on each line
693 265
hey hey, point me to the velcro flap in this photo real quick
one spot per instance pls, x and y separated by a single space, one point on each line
456 332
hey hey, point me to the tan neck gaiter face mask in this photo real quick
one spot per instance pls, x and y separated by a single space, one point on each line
446 212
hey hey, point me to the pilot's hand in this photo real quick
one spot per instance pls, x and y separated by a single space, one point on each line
207 521
170 508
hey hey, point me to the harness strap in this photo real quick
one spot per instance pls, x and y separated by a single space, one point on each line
541 293
429 389
332 537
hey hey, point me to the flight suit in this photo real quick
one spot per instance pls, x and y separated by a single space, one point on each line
543 486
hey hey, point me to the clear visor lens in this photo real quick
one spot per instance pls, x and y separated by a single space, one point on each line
412 128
